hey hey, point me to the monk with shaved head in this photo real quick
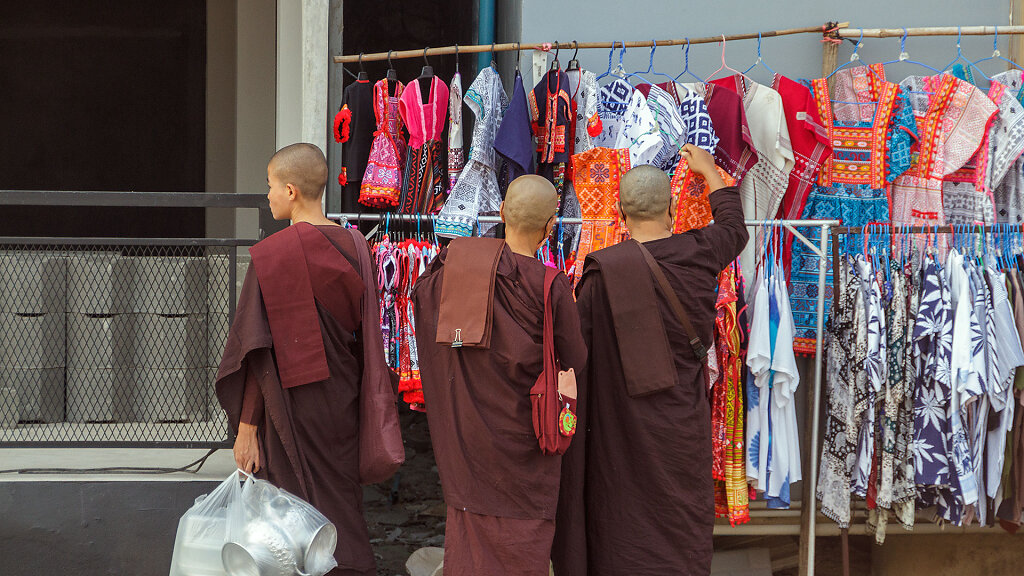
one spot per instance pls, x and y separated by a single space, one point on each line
304 355
480 330
639 499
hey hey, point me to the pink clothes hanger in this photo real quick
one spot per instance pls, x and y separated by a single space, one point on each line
724 66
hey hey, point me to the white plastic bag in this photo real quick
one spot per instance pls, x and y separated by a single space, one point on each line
203 530
251 527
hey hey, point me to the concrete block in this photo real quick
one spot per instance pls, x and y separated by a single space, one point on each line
218 284
32 282
40 393
8 407
170 395
35 341
168 285
169 341
98 283
217 336
98 342
99 395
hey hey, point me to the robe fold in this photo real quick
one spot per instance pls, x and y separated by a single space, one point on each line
308 433
637 495
501 491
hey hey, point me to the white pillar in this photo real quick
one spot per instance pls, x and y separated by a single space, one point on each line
303 61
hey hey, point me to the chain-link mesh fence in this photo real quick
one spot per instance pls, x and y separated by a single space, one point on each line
114 344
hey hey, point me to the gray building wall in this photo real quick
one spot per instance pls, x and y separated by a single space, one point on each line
796 56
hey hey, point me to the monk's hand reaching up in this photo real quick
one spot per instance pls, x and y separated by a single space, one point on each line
701 162
247 450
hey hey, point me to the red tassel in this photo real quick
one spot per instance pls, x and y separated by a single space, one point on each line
343 177
594 126
342 121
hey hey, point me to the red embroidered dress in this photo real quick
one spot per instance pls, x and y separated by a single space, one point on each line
382 182
693 209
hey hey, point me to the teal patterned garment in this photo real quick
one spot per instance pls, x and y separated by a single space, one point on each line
854 205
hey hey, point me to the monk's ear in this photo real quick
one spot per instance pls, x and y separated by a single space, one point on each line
293 192
501 211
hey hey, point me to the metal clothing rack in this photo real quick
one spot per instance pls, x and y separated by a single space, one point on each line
808 502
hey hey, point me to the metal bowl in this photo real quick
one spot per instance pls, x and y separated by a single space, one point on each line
319 557
266 550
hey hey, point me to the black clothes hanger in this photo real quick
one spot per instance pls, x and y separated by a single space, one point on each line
555 64
519 55
493 63
456 59
426 78
362 77
574 64
428 70
392 76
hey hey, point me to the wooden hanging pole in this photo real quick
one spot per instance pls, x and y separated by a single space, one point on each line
510 46
848 32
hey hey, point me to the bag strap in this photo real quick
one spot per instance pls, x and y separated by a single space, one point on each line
550 356
699 349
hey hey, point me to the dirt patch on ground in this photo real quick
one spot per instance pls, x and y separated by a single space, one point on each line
407 513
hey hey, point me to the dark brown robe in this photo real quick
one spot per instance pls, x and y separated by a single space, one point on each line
501 491
308 431
637 495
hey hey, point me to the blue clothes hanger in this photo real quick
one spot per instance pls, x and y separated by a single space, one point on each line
855 57
686 65
650 64
996 54
960 56
610 54
905 56
759 59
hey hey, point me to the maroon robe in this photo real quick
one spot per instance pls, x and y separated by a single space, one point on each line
501 491
637 493
308 430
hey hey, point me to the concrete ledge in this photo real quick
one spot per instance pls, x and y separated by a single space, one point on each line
216 469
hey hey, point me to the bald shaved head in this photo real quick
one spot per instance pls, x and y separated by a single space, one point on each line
303 166
530 203
645 193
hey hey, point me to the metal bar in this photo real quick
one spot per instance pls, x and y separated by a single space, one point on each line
139 199
848 32
509 46
232 282
803 239
87 241
371 217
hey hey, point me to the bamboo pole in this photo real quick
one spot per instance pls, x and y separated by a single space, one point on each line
848 32
571 45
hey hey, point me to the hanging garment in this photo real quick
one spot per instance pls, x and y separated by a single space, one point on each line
456 156
382 181
690 192
354 129
640 134
585 94
731 494
476 193
809 141
1010 357
773 433
971 187
875 364
933 343
551 114
671 126
735 151
846 380
425 183
613 102
1008 191
596 179
763 188
952 118
514 140
762 194
853 181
